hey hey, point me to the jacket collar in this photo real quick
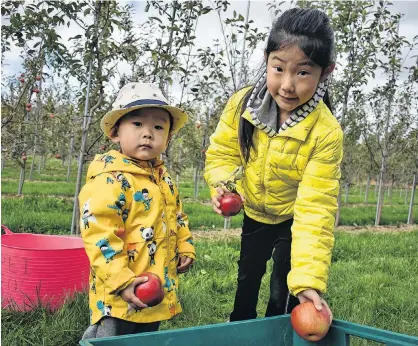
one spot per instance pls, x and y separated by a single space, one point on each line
301 130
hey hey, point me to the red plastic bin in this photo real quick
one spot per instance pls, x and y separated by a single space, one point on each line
37 268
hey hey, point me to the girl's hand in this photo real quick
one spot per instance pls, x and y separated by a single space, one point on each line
216 198
128 294
319 302
184 264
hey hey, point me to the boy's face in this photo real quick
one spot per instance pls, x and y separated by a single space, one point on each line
144 134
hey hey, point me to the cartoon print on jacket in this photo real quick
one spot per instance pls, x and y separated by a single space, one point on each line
169 183
87 215
119 204
152 249
147 233
121 178
106 159
131 252
109 180
180 221
168 282
143 196
107 250
126 161
125 214
93 285
105 309
190 241
178 200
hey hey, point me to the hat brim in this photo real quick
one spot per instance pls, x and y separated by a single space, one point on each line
109 120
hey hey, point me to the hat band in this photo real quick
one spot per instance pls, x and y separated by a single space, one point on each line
146 102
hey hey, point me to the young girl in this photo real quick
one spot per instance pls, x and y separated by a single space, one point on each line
283 133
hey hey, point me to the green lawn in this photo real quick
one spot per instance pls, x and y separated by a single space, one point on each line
372 280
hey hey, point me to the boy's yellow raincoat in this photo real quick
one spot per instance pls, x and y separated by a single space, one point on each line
132 222
293 174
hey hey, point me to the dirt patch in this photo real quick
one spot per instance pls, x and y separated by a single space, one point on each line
219 233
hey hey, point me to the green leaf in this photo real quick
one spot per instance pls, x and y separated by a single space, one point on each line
87 12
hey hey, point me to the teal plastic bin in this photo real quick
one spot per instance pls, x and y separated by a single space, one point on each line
271 331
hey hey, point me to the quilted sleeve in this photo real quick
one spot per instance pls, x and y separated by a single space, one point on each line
314 216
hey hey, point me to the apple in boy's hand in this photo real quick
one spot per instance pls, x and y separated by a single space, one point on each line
309 323
230 204
151 292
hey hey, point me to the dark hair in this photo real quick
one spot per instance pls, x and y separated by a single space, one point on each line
311 30
134 112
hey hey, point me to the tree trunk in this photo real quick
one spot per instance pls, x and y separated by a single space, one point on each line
376 185
196 182
227 223
411 204
3 160
21 178
241 72
347 188
70 156
366 196
86 123
406 194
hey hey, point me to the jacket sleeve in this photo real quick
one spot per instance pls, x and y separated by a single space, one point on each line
185 242
105 250
223 154
314 216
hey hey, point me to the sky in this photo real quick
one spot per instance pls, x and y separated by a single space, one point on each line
208 29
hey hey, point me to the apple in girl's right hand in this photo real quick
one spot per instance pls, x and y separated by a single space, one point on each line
151 292
230 204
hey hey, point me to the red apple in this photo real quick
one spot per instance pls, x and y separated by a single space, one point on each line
103 147
57 156
38 78
35 90
231 204
198 124
150 292
22 75
24 157
22 80
309 323
51 115
28 105
28 109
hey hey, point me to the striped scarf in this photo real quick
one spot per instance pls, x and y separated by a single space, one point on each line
263 108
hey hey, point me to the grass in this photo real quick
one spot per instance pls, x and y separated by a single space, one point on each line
51 215
374 290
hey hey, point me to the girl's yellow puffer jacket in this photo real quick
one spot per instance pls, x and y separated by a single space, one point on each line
132 222
292 174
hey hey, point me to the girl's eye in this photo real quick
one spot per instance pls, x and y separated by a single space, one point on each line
158 127
278 69
137 123
304 73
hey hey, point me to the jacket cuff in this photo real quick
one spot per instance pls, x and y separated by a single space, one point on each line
301 283
187 248
124 276
188 254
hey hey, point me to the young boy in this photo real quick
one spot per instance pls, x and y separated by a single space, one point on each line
130 212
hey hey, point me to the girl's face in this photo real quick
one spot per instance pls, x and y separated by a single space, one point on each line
291 78
144 134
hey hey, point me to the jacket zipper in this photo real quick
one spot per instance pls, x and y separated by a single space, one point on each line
263 169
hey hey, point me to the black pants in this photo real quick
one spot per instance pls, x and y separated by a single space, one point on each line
259 243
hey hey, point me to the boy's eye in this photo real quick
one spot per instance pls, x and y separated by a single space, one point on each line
278 69
304 73
137 123
158 127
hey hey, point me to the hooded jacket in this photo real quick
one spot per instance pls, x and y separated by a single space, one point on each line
294 173
132 222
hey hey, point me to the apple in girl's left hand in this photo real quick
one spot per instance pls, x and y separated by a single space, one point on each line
309 323
151 292
230 204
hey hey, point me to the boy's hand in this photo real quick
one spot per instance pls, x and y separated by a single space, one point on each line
319 302
184 264
215 199
128 294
